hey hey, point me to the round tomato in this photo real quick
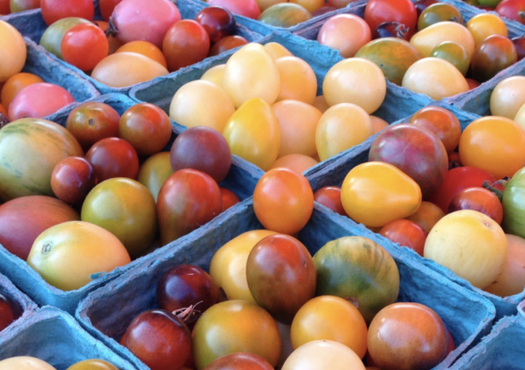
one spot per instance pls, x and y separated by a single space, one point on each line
84 46
492 55
478 199
154 171
330 196
426 215
52 37
239 361
13 49
227 43
113 157
72 179
379 11
406 233
16 83
346 33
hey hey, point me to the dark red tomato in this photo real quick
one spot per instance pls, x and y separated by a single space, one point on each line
90 122
406 233
472 84
187 287
330 196
414 150
53 10
229 198
72 179
159 339
147 127
379 11
478 199
492 55
84 45
512 9
519 43
106 8
185 43
227 43
187 200
218 21
113 157
4 7
7 315
457 179
239 361
423 4
394 29
281 275
202 148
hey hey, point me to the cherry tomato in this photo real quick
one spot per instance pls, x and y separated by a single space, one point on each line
330 196
486 24
346 33
323 354
4 7
53 10
426 215
406 233
113 157
439 12
229 199
16 83
218 22
379 11
154 171
52 37
512 9
283 200
492 55
145 48
84 46
7 314
478 199
92 363
72 179
227 43
23 5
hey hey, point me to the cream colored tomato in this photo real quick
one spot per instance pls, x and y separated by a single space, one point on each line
434 77
251 72
187 105
341 127
145 48
13 50
214 74
508 96
67 254
345 32
355 80
298 81
25 363
323 355
470 244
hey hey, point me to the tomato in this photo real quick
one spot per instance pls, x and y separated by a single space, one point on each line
25 363
407 335
379 11
247 8
492 55
67 254
513 206
72 179
253 133
227 43
92 363
218 22
147 127
145 48
439 12
53 10
330 196
478 199
239 361
406 233
13 49
454 53
185 43
486 24
154 171
323 354
16 83
426 215
106 8
235 326
508 96
330 317
277 50
512 9
186 105
113 157
495 144
4 7
52 37
84 46
428 38
7 314
346 33
368 89
415 151
228 264
126 208
295 162
298 81
90 122
283 200
281 275
228 199
470 244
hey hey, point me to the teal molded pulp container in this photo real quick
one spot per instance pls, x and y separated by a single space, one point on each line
21 304
241 180
56 337
31 24
106 312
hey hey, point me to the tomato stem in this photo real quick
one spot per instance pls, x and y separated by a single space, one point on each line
493 187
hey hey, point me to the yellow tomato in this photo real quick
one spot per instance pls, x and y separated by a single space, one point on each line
486 24
508 96
375 193
214 74
295 162
341 127
310 5
470 244
434 77
251 72
253 133
24 363
92 364
297 124
298 81
145 48
154 171
67 254
495 144
186 107
323 355
355 80
13 50
332 318
277 50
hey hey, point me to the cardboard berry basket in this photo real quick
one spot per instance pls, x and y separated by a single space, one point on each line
21 304
56 337
335 170
501 349
31 24
241 180
106 312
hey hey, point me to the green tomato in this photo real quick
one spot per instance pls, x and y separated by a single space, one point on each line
514 205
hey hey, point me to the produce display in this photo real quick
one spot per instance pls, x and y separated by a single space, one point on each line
289 185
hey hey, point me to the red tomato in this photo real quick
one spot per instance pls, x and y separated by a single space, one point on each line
53 10
478 199
106 8
379 11
217 21
228 198
227 43
72 179
113 157
247 8
84 45
7 314
406 233
4 7
283 200
330 196
512 9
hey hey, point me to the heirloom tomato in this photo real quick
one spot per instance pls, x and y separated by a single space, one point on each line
486 24
430 37
438 12
454 53
491 56
113 157
185 43
14 84
25 363
53 10
426 215
323 355
239 361
379 11
478 199
84 45
227 43
298 81
512 9
406 233
375 193
346 33
52 37
14 52
154 171
514 204
145 48
296 162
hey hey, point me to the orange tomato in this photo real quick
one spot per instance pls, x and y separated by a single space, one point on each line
145 48
427 215
13 50
16 83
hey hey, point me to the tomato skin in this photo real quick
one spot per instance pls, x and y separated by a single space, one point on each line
52 37
53 10
72 179
330 196
478 199
379 11
406 233
84 45
92 363
492 55
239 361
113 157
7 314
512 9
106 8
513 205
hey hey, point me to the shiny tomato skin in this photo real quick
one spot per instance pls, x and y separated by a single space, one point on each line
478 199
512 9
72 179
84 46
113 157
227 43
53 10
406 233
218 22
379 11
492 55
330 196
229 198
239 361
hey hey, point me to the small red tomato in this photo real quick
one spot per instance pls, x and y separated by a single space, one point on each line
330 196
72 179
478 199
512 9
84 45
53 10
113 157
227 43
229 198
406 233
217 21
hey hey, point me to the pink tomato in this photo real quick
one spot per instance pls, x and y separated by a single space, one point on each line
247 8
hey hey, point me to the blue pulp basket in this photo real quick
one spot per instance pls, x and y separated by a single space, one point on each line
56 337
22 305
106 312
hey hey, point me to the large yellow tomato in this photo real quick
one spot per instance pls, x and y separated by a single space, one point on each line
486 24
67 254
375 193
13 51
469 243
